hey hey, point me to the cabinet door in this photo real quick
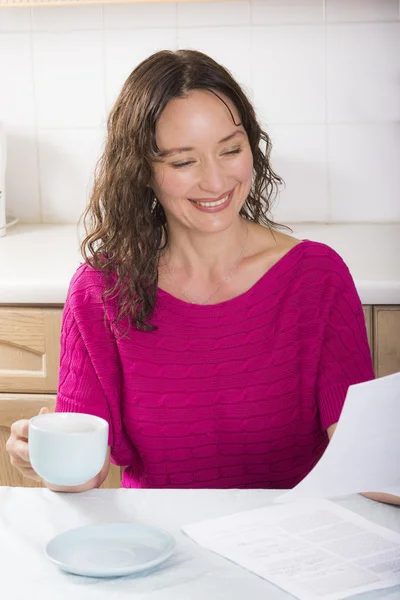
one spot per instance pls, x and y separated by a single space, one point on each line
20 406
368 322
12 408
29 349
386 340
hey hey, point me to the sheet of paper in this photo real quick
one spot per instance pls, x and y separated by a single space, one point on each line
364 452
315 550
392 490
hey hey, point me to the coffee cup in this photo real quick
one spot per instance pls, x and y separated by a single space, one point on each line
67 449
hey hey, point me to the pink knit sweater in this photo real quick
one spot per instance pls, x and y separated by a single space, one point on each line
236 394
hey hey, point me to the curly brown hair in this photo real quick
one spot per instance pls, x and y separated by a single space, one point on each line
126 228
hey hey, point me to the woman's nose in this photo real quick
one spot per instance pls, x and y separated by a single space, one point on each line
212 179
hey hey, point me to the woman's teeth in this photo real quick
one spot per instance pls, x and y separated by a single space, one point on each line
217 203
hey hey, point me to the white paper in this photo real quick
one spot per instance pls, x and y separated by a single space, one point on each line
315 550
364 452
392 490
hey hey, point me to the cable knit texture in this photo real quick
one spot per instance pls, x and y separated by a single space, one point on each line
236 394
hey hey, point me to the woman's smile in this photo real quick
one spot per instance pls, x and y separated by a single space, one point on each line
213 205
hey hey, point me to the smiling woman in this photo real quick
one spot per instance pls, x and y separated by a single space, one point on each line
183 159
219 349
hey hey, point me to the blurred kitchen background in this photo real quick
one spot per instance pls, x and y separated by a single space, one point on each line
324 76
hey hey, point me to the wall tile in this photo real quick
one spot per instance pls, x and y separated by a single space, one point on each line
67 161
299 156
212 14
364 172
126 49
363 64
266 12
140 15
17 112
15 20
22 181
289 73
69 81
67 18
16 96
229 46
361 10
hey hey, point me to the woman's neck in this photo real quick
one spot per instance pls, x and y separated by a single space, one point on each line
207 256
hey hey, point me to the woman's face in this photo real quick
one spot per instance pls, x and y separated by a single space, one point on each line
206 171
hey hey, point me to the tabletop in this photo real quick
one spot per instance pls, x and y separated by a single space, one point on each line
30 517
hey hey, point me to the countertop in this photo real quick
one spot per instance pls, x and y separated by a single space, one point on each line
38 261
29 518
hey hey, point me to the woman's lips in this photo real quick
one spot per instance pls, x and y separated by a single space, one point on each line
222 204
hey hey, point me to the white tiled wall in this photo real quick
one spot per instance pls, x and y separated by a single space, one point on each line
324 76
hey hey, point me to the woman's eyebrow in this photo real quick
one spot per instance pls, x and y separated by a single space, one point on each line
165 153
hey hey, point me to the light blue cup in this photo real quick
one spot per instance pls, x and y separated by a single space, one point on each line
67 449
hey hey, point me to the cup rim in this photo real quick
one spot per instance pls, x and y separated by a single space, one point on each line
103 424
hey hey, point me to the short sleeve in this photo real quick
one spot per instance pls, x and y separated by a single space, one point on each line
345 357
90 373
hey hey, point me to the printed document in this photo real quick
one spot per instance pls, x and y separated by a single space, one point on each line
315 550
364 452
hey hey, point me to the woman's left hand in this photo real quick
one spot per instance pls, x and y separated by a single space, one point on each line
377 496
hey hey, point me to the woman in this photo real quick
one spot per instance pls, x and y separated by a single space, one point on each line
219 349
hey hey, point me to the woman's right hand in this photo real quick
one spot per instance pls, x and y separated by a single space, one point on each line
17 448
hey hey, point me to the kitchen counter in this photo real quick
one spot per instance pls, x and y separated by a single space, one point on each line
38 261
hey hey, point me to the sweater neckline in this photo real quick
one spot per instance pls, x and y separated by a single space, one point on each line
236 301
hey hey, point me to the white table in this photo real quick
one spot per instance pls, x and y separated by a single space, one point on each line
29 518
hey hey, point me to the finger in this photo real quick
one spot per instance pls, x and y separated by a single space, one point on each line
19 462
29 473
44 410
21 450
20 428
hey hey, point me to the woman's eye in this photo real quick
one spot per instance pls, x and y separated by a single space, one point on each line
190 162
179 165
237 151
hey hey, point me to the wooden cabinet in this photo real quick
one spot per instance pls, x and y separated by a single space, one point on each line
386 344
29 360
368 323
12 408
29 349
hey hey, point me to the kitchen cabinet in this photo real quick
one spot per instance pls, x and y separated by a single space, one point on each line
12 408
29 360
386 352
368 323
29 346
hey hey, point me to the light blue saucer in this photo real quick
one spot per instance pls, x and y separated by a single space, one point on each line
110 549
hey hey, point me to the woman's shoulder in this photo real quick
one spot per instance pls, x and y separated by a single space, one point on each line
305 263
310 254
87 285
322 265
321 255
